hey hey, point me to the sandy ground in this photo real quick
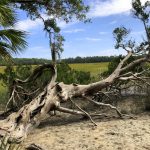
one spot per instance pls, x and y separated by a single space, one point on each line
73 133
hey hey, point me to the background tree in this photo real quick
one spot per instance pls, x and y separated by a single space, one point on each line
50 12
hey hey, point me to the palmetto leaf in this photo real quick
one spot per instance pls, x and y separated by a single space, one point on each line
11 40
7 15
14 38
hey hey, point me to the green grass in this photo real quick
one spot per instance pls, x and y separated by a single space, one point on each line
2 90
3 96
2 69
93 68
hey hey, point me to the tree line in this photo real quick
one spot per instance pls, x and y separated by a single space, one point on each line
39 61
91 59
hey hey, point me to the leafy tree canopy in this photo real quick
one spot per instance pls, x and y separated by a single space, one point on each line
64 9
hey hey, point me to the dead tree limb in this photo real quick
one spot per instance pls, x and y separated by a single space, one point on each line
105 105
77 112
86 113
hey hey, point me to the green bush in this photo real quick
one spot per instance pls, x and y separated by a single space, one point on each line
68 75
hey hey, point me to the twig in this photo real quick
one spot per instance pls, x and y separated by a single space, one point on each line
87 114
103 104
11 97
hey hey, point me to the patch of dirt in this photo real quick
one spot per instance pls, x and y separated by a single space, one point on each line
67 132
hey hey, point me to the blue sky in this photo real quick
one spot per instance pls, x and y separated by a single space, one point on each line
90 39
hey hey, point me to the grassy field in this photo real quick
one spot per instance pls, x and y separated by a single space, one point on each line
93 68
2 69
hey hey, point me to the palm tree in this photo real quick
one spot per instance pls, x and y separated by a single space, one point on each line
11 40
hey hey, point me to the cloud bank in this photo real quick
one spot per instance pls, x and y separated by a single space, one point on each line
99 8
105 8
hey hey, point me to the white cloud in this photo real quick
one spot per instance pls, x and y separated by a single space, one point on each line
111 52
137 33
113 22
101 8
89 39
35 52
28 24
103 33
62 24
74 31
93 39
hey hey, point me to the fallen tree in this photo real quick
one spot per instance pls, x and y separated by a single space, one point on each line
17 124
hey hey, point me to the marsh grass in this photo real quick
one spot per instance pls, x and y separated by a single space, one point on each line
93 68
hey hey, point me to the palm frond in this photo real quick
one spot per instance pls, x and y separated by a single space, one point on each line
14 38
11 41
7 15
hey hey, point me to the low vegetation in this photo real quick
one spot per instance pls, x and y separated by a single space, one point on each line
93 68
